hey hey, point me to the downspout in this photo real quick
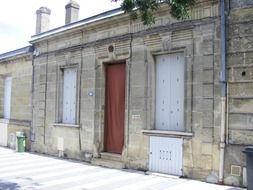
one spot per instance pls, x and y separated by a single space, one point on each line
80 97
223 89
32 132
45 107
129 85
146 88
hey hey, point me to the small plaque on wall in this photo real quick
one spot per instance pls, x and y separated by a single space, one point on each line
136 116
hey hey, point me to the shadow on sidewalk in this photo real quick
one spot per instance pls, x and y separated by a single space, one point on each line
5 185
233 188
27 183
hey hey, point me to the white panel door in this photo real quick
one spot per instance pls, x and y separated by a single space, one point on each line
7 97
166 155
170 92
69 96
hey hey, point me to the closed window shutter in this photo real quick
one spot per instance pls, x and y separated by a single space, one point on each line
69 96
7 98
170 92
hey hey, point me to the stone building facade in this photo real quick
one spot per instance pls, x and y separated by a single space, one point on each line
173 98
240 84
89 49
15 95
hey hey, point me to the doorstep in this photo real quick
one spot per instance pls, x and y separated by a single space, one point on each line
108 163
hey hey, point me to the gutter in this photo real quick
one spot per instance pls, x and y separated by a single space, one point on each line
45 107
16 53
223 81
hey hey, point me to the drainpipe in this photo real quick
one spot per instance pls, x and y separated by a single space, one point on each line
32 131
223 89
45 107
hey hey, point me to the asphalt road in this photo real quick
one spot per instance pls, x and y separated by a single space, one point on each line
26 171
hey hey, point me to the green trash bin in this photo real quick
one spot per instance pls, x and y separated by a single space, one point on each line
21 143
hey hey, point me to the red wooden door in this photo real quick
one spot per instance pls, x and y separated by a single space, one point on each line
114 108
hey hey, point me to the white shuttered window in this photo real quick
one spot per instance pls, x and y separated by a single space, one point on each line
69 95
7 97
170 92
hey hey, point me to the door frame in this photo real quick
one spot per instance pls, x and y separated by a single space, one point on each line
127 95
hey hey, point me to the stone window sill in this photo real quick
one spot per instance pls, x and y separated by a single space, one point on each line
167 133
65 125
3 120
23 123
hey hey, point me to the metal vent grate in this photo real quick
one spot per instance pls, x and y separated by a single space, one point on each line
236 170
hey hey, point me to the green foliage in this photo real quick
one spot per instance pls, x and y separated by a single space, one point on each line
146 8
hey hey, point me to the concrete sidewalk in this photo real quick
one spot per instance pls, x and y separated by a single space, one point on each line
25 171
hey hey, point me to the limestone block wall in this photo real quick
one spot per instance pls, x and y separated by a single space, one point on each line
1 95
47 106
86 48
202 150
21 73
13 127
240 91
20 70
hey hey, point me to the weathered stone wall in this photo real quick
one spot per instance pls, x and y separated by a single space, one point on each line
20 70
13 127
1 95
47 102
86 47
240 83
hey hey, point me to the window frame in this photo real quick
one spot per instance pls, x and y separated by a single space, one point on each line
155 128
60 95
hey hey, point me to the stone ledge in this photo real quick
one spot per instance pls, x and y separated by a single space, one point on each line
108 163
65 125
111 156
24 123
167 133
20 122
6 121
